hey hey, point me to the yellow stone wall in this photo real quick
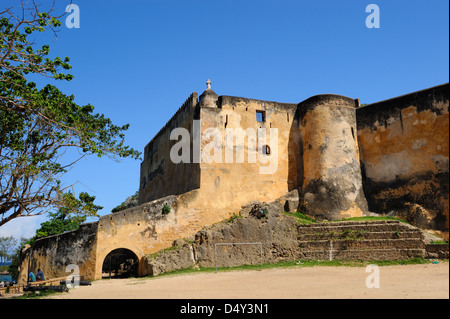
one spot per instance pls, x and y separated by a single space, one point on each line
404 145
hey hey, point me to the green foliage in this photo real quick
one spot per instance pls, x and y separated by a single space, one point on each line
166 209
37 294
369 218
39 125
6 248
264 213
351 234
129 202
232 218
16 259
301 218
68 217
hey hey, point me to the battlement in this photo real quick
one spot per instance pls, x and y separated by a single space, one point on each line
190 103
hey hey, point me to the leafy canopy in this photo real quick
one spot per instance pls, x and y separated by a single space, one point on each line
68 217
39 125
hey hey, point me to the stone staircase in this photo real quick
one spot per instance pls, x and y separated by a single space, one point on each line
368 240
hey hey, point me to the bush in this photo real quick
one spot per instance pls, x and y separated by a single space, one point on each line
166 209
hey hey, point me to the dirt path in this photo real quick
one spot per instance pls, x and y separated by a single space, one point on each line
409 281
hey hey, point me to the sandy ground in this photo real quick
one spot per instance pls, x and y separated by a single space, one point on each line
408 281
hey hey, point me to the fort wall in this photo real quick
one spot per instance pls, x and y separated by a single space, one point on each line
161 177
404 153
332 187
248 166
401 144
53 254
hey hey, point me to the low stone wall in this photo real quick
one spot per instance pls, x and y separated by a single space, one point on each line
283 239
53 254
257 222
439 251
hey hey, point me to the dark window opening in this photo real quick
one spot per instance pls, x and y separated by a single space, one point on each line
260 116
266 149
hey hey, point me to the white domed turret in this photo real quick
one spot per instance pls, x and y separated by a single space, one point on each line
209 97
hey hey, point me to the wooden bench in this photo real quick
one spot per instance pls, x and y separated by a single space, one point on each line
18 288
45 282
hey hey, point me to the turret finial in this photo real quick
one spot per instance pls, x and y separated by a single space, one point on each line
208 84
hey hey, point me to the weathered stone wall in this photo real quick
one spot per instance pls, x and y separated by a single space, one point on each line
402 145
276 237
230 181
276 232
54 253
404 153
332 184
161 177
137 229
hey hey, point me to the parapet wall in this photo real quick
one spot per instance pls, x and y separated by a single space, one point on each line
404 153
54 254
161 177
239 171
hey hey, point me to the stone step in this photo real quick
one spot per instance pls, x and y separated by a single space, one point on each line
361 234
344 223
367 227
342 244
364 254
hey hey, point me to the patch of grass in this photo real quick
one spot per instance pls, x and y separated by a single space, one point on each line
440 242
301 218
369 218
294 264
232 218
37 294
154 255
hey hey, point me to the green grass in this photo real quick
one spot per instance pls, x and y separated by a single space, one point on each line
232 218
301 218
370 218
154 255
292 264
440 242
37 294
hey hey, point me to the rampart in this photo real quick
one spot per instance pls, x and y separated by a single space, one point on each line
54 253
159 175
404 154
339 160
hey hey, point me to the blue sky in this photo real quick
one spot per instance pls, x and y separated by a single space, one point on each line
137 62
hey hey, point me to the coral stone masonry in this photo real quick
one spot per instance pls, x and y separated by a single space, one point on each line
326 156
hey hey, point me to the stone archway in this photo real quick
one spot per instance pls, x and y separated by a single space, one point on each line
120 263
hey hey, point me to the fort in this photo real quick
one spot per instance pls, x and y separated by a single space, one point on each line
327 156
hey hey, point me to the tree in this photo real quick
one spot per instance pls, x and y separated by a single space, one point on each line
7 245
68 217
130 201
38 126
16 259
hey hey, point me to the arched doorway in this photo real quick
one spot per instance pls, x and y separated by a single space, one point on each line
120 263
